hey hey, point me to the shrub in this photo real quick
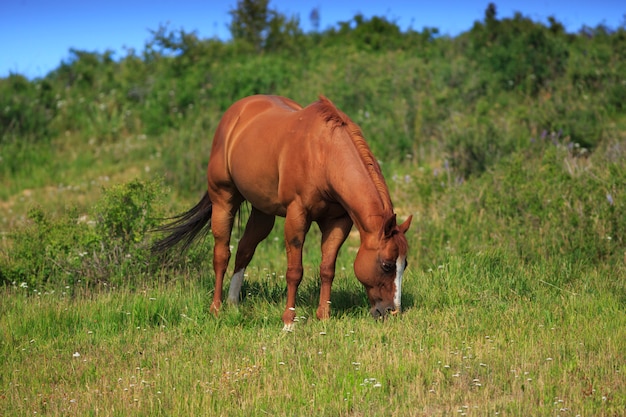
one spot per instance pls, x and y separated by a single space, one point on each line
46 250
111 249
25 109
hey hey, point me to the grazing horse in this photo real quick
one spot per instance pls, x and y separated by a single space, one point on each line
308 165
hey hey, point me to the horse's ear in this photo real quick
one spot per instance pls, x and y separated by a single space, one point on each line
405 226
390 225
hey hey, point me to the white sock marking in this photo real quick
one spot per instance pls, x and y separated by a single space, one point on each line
397 297
235 287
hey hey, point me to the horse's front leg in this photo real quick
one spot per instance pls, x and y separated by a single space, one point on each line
334 233
296 226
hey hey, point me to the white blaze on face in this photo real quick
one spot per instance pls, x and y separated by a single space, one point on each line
397 302
235 287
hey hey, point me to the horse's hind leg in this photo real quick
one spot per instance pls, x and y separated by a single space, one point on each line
258 227
225 206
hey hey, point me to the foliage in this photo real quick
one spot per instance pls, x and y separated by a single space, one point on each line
27 109
262 28
518 53
458 95
45 249
471 108
250 21
109 247
554 203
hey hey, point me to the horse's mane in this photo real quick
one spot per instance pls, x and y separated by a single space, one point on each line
339 120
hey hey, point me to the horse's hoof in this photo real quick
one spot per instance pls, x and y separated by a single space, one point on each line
215 308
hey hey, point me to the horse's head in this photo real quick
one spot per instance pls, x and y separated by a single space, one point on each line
380 267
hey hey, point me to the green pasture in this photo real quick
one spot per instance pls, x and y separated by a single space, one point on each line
464 346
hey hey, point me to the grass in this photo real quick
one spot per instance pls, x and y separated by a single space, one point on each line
501 316
464 346
514 305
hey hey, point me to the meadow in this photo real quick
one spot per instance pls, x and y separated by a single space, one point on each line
512 160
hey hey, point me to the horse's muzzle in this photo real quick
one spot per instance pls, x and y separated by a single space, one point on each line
382 310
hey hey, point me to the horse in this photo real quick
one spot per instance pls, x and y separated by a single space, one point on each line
306 164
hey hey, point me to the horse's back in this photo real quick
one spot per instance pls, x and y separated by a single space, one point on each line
251 113
257 107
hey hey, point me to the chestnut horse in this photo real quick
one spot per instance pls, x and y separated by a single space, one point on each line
304 164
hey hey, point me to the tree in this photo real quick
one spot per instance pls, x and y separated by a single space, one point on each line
250 22
263 28
315 18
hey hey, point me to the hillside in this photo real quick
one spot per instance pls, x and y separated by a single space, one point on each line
471 114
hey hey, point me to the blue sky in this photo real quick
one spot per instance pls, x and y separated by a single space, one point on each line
36 35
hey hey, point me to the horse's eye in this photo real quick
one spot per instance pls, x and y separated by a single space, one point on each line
388 266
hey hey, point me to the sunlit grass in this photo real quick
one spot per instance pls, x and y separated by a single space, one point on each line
158 351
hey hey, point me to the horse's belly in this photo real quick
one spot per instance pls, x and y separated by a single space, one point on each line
267 203
259 187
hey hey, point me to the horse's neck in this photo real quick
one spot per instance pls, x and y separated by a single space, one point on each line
362 199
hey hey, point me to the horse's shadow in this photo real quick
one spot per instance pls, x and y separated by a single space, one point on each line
350 301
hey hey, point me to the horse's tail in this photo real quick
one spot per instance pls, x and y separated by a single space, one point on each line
186 227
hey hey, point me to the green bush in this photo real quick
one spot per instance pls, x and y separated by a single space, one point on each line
125 213
124 217
111 248
405 88
47 249
26 109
